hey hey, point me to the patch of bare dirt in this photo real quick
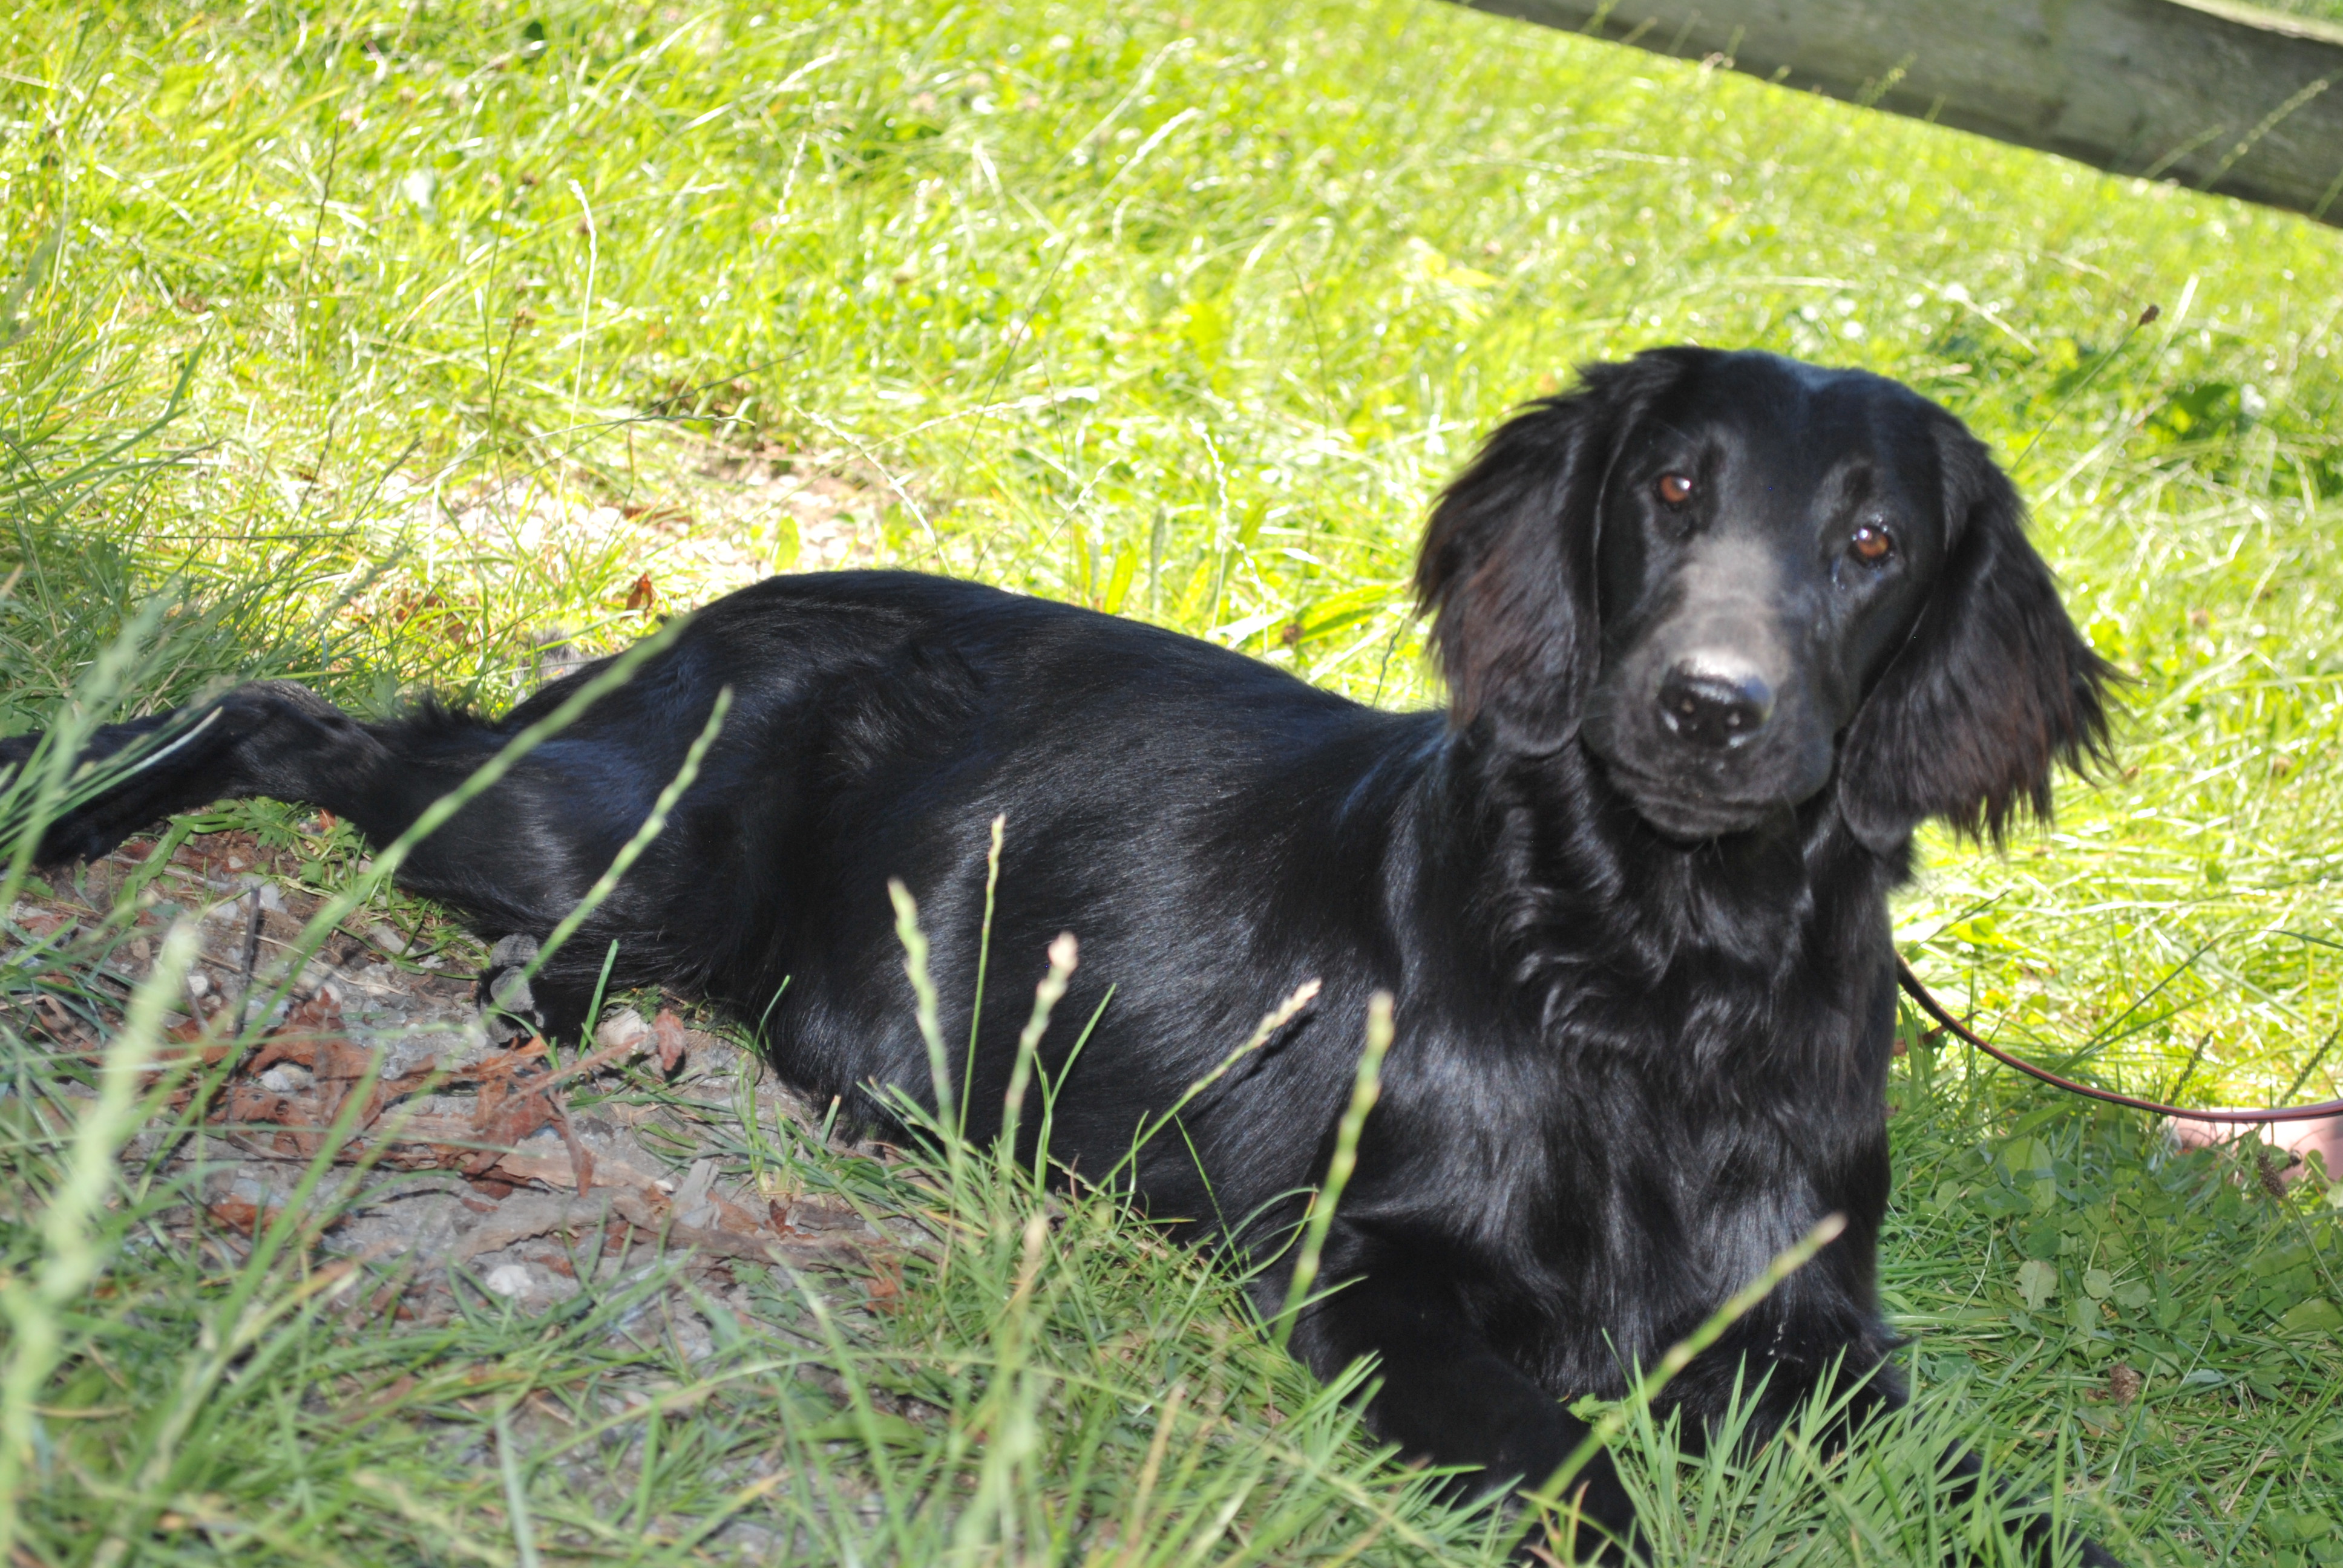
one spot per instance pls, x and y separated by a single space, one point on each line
833 503
514 1168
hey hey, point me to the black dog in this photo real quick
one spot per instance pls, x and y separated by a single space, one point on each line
1720 629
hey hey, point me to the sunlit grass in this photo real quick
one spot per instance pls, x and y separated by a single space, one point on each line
466 321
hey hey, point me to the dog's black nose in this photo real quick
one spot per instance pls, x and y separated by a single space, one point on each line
1714 704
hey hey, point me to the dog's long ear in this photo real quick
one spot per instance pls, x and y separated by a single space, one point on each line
1508 563
1994 687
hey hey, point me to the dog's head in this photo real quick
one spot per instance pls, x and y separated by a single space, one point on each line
1736 578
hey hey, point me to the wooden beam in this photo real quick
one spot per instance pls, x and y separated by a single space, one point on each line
2220 97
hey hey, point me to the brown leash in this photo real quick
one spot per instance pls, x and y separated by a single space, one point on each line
1936 1010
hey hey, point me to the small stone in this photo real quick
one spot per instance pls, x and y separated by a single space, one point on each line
509 1280
623 1027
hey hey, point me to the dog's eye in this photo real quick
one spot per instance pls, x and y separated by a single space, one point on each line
1870 544
1675 489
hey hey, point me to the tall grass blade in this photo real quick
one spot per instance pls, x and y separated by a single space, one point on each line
1367 1087
77 1237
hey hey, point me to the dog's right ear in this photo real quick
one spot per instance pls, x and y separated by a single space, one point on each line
1507 569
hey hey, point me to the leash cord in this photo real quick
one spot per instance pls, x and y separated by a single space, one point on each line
1927 1003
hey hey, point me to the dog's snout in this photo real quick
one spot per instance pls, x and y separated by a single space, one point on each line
1711 702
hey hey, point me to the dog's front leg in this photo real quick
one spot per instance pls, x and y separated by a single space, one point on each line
1446 1397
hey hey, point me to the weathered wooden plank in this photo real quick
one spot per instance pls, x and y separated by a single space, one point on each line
2223 98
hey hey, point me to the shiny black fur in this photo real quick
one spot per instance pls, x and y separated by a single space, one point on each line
1641 966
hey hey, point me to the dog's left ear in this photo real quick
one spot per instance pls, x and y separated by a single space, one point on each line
1994 689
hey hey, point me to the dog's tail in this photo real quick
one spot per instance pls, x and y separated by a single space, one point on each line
515 857
271 738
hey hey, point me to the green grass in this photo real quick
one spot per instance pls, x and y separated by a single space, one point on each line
2322 10
384 344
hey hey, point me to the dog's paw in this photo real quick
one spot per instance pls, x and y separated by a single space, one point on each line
508 1004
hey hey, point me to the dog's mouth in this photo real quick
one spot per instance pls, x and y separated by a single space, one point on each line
1686 811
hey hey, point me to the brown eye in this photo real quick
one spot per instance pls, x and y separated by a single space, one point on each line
1872 545
1675 489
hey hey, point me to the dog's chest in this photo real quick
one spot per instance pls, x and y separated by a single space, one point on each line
1654 1203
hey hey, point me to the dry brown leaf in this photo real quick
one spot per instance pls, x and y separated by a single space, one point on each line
731 1216
513 1103
885 1284
244 1219
669 1031
822 1214
505 1123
